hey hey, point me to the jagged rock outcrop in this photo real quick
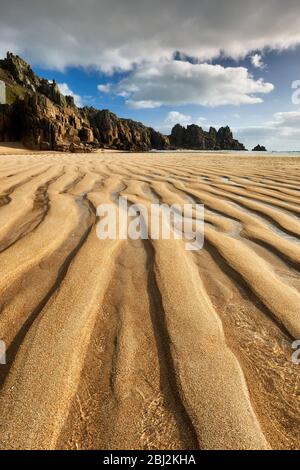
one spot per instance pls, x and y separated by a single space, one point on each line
42 118
20 71
124 134
23 75
226 141
259 148
195 138
38 114
46 126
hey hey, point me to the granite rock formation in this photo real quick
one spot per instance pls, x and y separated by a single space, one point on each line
259 148
124 134
195 138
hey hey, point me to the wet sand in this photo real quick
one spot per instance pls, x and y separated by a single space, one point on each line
122 344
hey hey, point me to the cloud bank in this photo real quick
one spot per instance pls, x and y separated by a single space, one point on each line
110 34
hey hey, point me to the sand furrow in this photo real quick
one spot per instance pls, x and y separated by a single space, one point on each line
23 209
131 375
214 405
56 373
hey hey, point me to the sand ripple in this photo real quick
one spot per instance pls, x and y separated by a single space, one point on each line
142 344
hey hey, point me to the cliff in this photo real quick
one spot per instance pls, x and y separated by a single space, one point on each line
124 134
195 138
37 114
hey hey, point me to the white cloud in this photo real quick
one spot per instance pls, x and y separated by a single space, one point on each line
200 121
104 88
175 117
287 123
173 82
66 91
109 34
140 104
257 61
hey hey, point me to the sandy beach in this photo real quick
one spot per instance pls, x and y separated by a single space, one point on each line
141 344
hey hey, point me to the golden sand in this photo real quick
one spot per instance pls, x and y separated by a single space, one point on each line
120 344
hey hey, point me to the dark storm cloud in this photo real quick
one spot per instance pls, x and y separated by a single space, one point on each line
109 34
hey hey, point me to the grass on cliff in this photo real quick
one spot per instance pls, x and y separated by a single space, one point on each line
13 90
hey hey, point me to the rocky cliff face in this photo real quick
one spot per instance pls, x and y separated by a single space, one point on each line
37 113
42 118
194 137
125 134
46 126
19 72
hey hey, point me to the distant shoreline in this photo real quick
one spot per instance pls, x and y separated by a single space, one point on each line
17 148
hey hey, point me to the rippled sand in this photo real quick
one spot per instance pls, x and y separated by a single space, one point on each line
142 344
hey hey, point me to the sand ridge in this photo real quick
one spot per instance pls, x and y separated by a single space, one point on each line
141 344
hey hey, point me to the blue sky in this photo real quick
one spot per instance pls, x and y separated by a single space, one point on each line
208 62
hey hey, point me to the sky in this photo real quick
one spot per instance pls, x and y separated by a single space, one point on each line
209 62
